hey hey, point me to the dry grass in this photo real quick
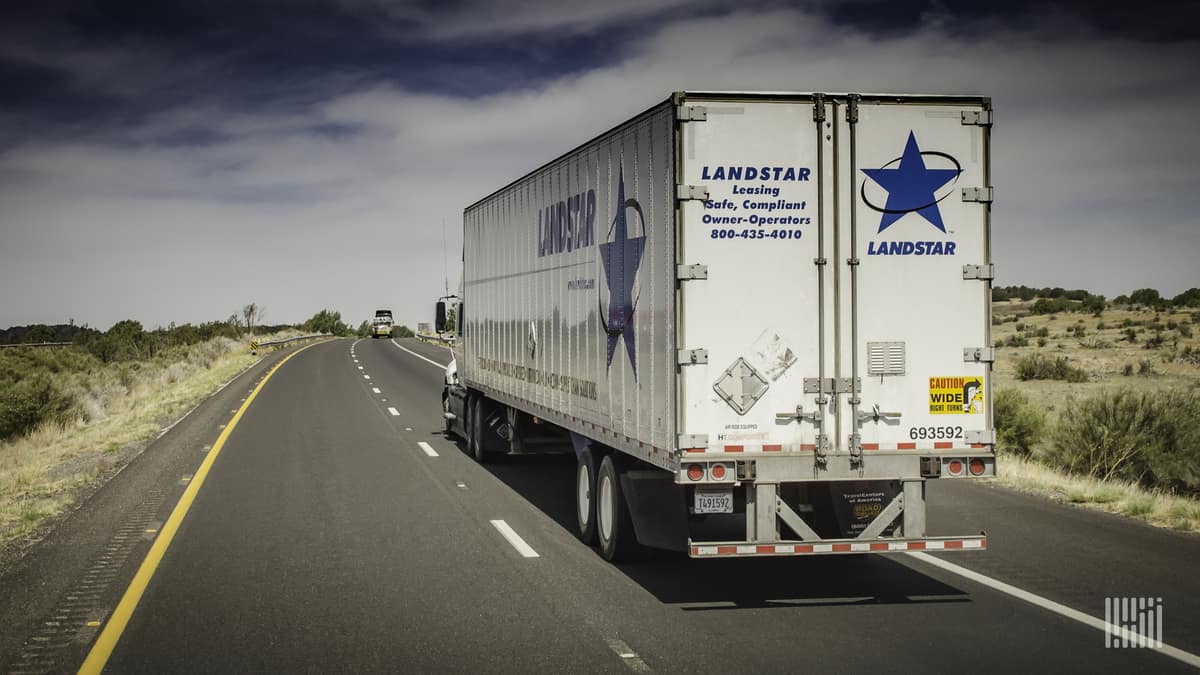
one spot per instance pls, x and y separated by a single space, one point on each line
122 408
1156 508
1107 355
1103 353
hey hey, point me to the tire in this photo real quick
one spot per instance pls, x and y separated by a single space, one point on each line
585 497
467 424
477 432
614 525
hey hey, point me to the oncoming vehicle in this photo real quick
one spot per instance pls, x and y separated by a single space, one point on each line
381 327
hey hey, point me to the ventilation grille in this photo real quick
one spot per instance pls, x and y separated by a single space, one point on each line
885 358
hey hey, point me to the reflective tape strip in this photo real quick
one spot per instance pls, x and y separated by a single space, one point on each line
838 547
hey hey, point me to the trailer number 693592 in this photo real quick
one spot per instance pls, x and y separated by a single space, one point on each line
920 433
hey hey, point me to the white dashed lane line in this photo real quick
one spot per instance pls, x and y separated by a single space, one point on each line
376 390
428 449
394 412
515 539
366 377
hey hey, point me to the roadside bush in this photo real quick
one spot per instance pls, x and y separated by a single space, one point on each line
1127 370
1146 367
1150 438
28 403
1019 424
1038 366
1184 330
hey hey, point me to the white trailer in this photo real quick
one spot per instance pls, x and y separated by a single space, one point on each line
763 321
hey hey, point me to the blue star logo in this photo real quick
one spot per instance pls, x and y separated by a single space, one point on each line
621 257
911 187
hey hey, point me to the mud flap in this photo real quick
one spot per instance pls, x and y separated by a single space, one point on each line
658 508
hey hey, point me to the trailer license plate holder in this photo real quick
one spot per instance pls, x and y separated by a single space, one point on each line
713 500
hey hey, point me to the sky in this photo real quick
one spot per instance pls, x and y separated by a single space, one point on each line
172 162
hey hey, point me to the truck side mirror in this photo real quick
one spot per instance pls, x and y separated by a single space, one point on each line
439 321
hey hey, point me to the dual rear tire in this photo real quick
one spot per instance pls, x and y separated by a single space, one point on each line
602 509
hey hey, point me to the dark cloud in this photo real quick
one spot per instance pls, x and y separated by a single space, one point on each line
173 161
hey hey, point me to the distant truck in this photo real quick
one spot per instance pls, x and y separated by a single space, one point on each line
761 321
381 326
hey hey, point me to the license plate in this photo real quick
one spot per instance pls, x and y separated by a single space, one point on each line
714 501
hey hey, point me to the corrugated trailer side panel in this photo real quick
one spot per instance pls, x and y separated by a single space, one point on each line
569 278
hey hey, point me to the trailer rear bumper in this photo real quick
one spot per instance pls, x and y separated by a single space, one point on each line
735 549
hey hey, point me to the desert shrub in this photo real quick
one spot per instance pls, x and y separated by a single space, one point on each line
1151 438
28 403
1019 424
1184 330
1038 366
1020 327
1043 332
1155 341
1127 370
1190 355
1146 367
1016 341
1101 326
1095 343
1041 342
1131 335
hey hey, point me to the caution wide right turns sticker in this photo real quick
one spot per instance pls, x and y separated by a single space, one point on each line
961 395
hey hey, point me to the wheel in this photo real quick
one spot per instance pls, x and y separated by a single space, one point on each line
468 424
477 431
585 497
614 524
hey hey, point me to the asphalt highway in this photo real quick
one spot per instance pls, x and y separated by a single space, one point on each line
338 530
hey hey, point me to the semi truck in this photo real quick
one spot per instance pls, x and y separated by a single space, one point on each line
761 322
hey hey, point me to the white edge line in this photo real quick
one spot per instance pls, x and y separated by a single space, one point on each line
427 448
429 361
394 412
1062 610
513 538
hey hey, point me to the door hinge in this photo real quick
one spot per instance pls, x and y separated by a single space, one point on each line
981 272
691 272
687 441
691 113
686 192
979 355
982 195
692 357
981 436
982 118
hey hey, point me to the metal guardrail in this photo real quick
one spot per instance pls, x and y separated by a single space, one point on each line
255 345
38 344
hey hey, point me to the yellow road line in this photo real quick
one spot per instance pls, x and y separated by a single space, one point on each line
103 648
